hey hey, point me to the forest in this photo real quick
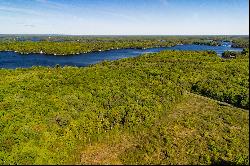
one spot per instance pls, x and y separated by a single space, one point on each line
70 45
172 107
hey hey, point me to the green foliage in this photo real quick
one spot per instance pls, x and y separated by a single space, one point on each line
241 42
245 51
198 132
226 81
68 45
208 42
73 47
233 54
230 54
48 114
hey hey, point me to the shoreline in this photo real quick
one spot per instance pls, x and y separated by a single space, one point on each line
112 49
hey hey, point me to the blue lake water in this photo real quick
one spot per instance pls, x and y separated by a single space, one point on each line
12 60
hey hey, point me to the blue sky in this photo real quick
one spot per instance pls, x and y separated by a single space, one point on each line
125 17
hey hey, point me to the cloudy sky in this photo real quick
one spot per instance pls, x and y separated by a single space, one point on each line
124 17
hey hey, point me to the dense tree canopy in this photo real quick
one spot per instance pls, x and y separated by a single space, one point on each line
49 114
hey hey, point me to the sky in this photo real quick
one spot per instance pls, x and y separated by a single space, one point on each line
125 17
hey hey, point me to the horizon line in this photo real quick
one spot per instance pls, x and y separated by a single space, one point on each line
125 34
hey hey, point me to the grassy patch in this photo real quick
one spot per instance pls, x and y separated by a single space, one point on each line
196 131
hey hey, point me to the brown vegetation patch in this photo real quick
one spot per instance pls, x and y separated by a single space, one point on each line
105 153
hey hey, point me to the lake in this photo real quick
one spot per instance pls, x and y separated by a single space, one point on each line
12 60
